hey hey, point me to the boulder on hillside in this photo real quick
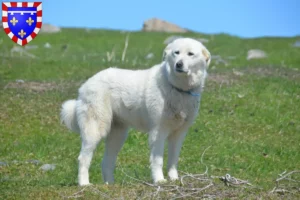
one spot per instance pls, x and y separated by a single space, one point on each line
158 25
48 28
256 54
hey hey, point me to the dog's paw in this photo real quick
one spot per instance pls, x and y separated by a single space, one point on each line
173 175
109 183
161 181
174 178
85 184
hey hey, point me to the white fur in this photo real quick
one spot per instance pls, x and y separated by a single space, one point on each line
151 100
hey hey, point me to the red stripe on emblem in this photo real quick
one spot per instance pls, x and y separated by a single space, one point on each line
36 4
24 42
7 31
4 19
4 7
39 25
13 4
24 4
15 39
33 34
39 13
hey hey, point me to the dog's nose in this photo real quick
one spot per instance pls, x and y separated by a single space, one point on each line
179 64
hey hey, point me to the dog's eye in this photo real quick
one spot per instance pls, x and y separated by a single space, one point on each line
176 52
190 53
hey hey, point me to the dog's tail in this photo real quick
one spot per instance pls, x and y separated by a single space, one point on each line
68 115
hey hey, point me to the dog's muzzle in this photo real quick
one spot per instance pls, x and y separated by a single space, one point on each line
179 67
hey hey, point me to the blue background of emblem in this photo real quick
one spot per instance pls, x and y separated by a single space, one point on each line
21 24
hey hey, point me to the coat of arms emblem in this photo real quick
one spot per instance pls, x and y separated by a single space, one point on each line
22 21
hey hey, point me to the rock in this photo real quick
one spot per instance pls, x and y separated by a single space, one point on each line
47 45
237 73
3 164
297 44
35 162
17 49
256 54
241 95
20 81
31 47
47 167
171 38
158 25
231 57
48 28
149 56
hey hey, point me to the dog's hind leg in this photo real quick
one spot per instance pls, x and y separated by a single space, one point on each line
113 145
93 127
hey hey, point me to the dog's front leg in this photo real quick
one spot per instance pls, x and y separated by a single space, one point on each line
174 145
156 143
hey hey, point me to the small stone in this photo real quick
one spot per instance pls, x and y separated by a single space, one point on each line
20 81
31 47
241 95
35 162
149 56
47 45
237 73
231 57
47 167
3 164
15 162
17 49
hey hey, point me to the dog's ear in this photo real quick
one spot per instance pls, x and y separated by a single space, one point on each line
207 56
167 51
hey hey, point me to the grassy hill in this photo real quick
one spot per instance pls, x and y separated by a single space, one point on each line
249 121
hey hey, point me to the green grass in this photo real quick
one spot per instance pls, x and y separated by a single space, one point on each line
251 123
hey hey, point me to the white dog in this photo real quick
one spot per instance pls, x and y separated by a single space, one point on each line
163 101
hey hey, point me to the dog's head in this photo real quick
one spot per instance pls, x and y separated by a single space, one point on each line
186 58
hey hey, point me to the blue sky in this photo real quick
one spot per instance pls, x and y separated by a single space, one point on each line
245 18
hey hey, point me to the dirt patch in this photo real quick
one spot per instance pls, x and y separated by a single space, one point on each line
40 86
290 73
233 75
224 78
